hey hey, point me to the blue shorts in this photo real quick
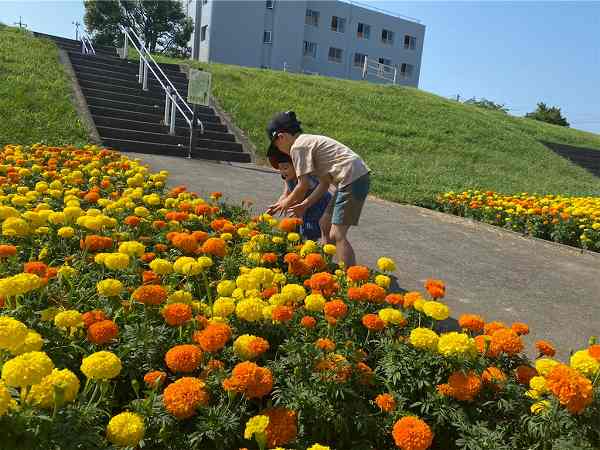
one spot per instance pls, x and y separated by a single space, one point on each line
347 203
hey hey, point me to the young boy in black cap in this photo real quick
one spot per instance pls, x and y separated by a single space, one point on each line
334 164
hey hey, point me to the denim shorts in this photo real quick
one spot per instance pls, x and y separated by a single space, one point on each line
347 202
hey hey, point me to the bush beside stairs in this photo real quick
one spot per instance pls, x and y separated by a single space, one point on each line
130 119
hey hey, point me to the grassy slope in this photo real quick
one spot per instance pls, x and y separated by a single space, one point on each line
35 93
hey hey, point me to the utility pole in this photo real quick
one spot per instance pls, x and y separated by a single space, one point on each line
458 97
20 23
77 25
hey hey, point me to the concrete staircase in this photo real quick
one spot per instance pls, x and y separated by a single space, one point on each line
130 119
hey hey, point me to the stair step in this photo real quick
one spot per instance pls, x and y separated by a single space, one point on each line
152 83
152 127
147 109
125 145
126 77
165 138
66 42
119 69
105 59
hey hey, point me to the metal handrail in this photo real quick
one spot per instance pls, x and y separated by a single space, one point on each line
171 101
85 43
380 70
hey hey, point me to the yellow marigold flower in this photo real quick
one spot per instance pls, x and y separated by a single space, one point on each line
132 248
296 292
383 281
15 226
180 296
318 447
436 310
456 344
391 315
33 343
126 429
247 282
66 272
545 365
205 262
540 407
19 284
140 211
187 265
314 302
418 304
585 364
101 366
238 294
424 338
308 247
109 287
57 388
223 307
538 384
263 275
250 309
386 264
277 240
26 369
329 249
56 218
5 399
68 319
161 266
225 288
293 237
116 261
12 333
257 427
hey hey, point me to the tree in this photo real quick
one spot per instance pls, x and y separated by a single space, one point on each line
548 114
486 104
162 24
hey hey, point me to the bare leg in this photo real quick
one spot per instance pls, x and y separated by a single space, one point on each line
345 252
325 224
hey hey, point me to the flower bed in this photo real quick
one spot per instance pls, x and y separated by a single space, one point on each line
569 220
136 316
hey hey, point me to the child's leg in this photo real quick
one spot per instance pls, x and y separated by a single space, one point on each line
325 225
344 250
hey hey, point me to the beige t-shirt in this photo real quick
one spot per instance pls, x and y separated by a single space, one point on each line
320 155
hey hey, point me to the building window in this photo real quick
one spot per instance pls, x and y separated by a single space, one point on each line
268 37
270 4
363 31
312 17
410 42
203 33
387 37
335 54
385 61
310 49
338 24
359 59
406 70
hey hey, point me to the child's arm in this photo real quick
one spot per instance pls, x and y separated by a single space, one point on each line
295 197
300 209
286 192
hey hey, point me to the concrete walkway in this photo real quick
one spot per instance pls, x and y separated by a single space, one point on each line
489 271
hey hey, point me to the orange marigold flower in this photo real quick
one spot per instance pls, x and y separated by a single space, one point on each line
183 397
161 248
494 377
485 346
385 402
159 225
373 292
150 277
148 256
356 294
36 267
215 246
373 322
7 250
152 294
94 316
308 322
185 242
94 243
523 374
491 327
203 209
291 258
321 281
358 273
520 328
471 322
269 292
155 378
183 358
508 341
91 197
594 351
249 379
572 389
282 313
545 348
132 221
269 258
365 373
336 309
102 332
436 288
412 433
289 224
461 386
282 428
410 298
176 314
200 236
395 299
334 367
214 337
177 216
327 345
315 261
213 365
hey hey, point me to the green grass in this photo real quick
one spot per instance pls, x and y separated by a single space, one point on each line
35 93
417 144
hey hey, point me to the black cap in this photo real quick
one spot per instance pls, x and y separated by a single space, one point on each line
281 122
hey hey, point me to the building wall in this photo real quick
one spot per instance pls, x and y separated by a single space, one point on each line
236 27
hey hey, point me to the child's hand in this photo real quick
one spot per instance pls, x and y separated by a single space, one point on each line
275 208
299 210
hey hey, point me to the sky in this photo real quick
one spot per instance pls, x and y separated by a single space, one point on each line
514 53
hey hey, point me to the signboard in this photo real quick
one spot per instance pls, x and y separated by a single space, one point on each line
199 87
